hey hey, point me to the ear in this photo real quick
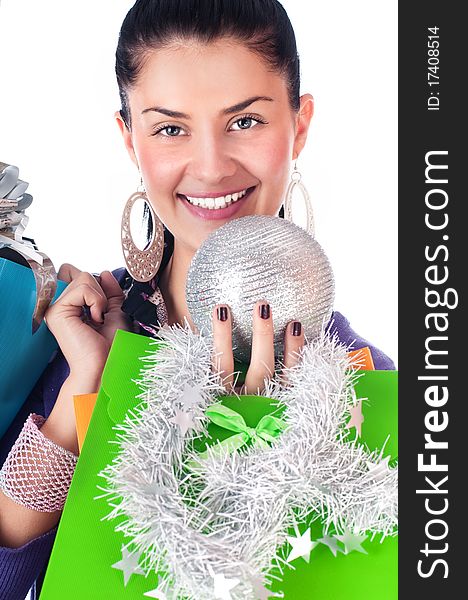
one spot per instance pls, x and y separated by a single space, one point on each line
127 137
303 118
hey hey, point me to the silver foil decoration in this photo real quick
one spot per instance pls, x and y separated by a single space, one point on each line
13 221
261 258
230 514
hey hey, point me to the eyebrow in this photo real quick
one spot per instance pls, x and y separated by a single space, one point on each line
227 111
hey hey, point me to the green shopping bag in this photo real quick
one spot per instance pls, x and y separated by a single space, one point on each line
86 547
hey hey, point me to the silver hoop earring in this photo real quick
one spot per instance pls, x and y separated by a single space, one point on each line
142 264
293 184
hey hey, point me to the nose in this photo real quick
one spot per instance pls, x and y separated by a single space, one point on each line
210 159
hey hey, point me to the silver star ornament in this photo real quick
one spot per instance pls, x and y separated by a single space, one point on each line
302 546
128 564
156 593
223 586
191 396
377 470
357 417
183 420
331 543
351 541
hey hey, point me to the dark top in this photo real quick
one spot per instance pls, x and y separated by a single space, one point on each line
22 569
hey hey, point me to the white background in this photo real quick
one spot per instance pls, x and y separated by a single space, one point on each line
58 96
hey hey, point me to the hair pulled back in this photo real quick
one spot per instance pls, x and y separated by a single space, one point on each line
261 25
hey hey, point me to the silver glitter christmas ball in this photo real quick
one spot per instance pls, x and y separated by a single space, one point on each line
261 258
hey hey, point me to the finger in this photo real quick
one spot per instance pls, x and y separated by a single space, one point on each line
293 343
68 272
223 358
74 276
262 361
83 293
111 288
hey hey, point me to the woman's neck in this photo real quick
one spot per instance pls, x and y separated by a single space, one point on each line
172 285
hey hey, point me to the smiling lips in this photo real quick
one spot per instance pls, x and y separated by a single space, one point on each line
215 203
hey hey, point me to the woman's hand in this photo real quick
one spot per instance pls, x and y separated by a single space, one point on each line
262 362
85 340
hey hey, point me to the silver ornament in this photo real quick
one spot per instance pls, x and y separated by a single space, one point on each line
261 258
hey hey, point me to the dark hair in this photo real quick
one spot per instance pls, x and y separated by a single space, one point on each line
262 25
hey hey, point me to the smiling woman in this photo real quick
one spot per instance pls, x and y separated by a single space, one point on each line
212 117
202 167
68 148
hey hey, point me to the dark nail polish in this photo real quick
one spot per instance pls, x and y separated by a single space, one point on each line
222 313
265 311
296 328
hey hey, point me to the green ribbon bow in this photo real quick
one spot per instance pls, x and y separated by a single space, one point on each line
267 429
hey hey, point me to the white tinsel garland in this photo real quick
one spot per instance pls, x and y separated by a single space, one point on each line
230 516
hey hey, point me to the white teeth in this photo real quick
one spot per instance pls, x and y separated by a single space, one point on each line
214 203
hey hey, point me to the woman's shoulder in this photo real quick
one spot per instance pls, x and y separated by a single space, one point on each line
340 326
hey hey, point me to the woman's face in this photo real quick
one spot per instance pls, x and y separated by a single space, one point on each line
213 134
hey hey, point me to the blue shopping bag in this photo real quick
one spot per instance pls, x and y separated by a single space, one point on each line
23 356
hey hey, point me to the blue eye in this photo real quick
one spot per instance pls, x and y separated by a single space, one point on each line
247 122
171 131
